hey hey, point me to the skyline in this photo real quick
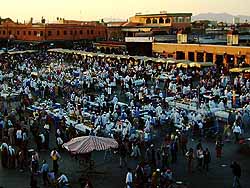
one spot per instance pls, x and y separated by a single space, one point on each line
116 9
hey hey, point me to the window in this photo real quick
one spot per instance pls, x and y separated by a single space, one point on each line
49 33
58 32
0 32
167 20
99 33
3 32
65 32
29 32
80 32
92 32
161 21
71 32
154 21
180 19
187 19
35 33
75 32
24 32
148 21
9 32
88 32
41 33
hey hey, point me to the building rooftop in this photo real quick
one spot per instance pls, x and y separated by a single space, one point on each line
164 14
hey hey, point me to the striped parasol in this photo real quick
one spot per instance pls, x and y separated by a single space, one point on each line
86 144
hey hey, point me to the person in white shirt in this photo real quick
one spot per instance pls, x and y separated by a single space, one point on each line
11 157
236 131
19 136
247 84
115 101
158 110
129 178
59 142
147 124
63 180
42 138
221 105
229 104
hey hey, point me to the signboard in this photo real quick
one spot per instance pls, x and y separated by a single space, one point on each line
139 39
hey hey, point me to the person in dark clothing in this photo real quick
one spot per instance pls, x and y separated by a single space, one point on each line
174 149
190 157
184 142
153 159
207 159
33 181
139 176
4 157
236 169
123 155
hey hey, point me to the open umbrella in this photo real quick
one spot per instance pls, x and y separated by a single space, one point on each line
201 64
87 144
236 70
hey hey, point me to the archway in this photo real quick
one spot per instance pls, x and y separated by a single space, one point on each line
191 56
154 21
209 57
219 60
148 21
161 21
108 50
200 57
180 55
167 21
230 61
113 51
102 49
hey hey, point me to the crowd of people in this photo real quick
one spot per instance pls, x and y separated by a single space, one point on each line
132 101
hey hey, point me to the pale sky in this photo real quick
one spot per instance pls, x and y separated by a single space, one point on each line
98 9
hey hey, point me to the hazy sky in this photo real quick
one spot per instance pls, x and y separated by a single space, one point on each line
97 9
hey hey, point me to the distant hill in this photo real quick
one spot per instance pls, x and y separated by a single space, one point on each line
220 17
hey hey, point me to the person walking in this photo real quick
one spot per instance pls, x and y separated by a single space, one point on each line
123 155
63 181
44 171
190 158
200 158
11 135
218 147
207 159
33 181
184 141
236 169
55 156
237 132
21 160
12 157
129 178
4 154
174 150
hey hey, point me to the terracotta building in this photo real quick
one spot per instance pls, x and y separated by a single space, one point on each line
150 24
62 30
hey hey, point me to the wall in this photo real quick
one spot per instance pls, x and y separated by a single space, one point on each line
44 32
235 51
